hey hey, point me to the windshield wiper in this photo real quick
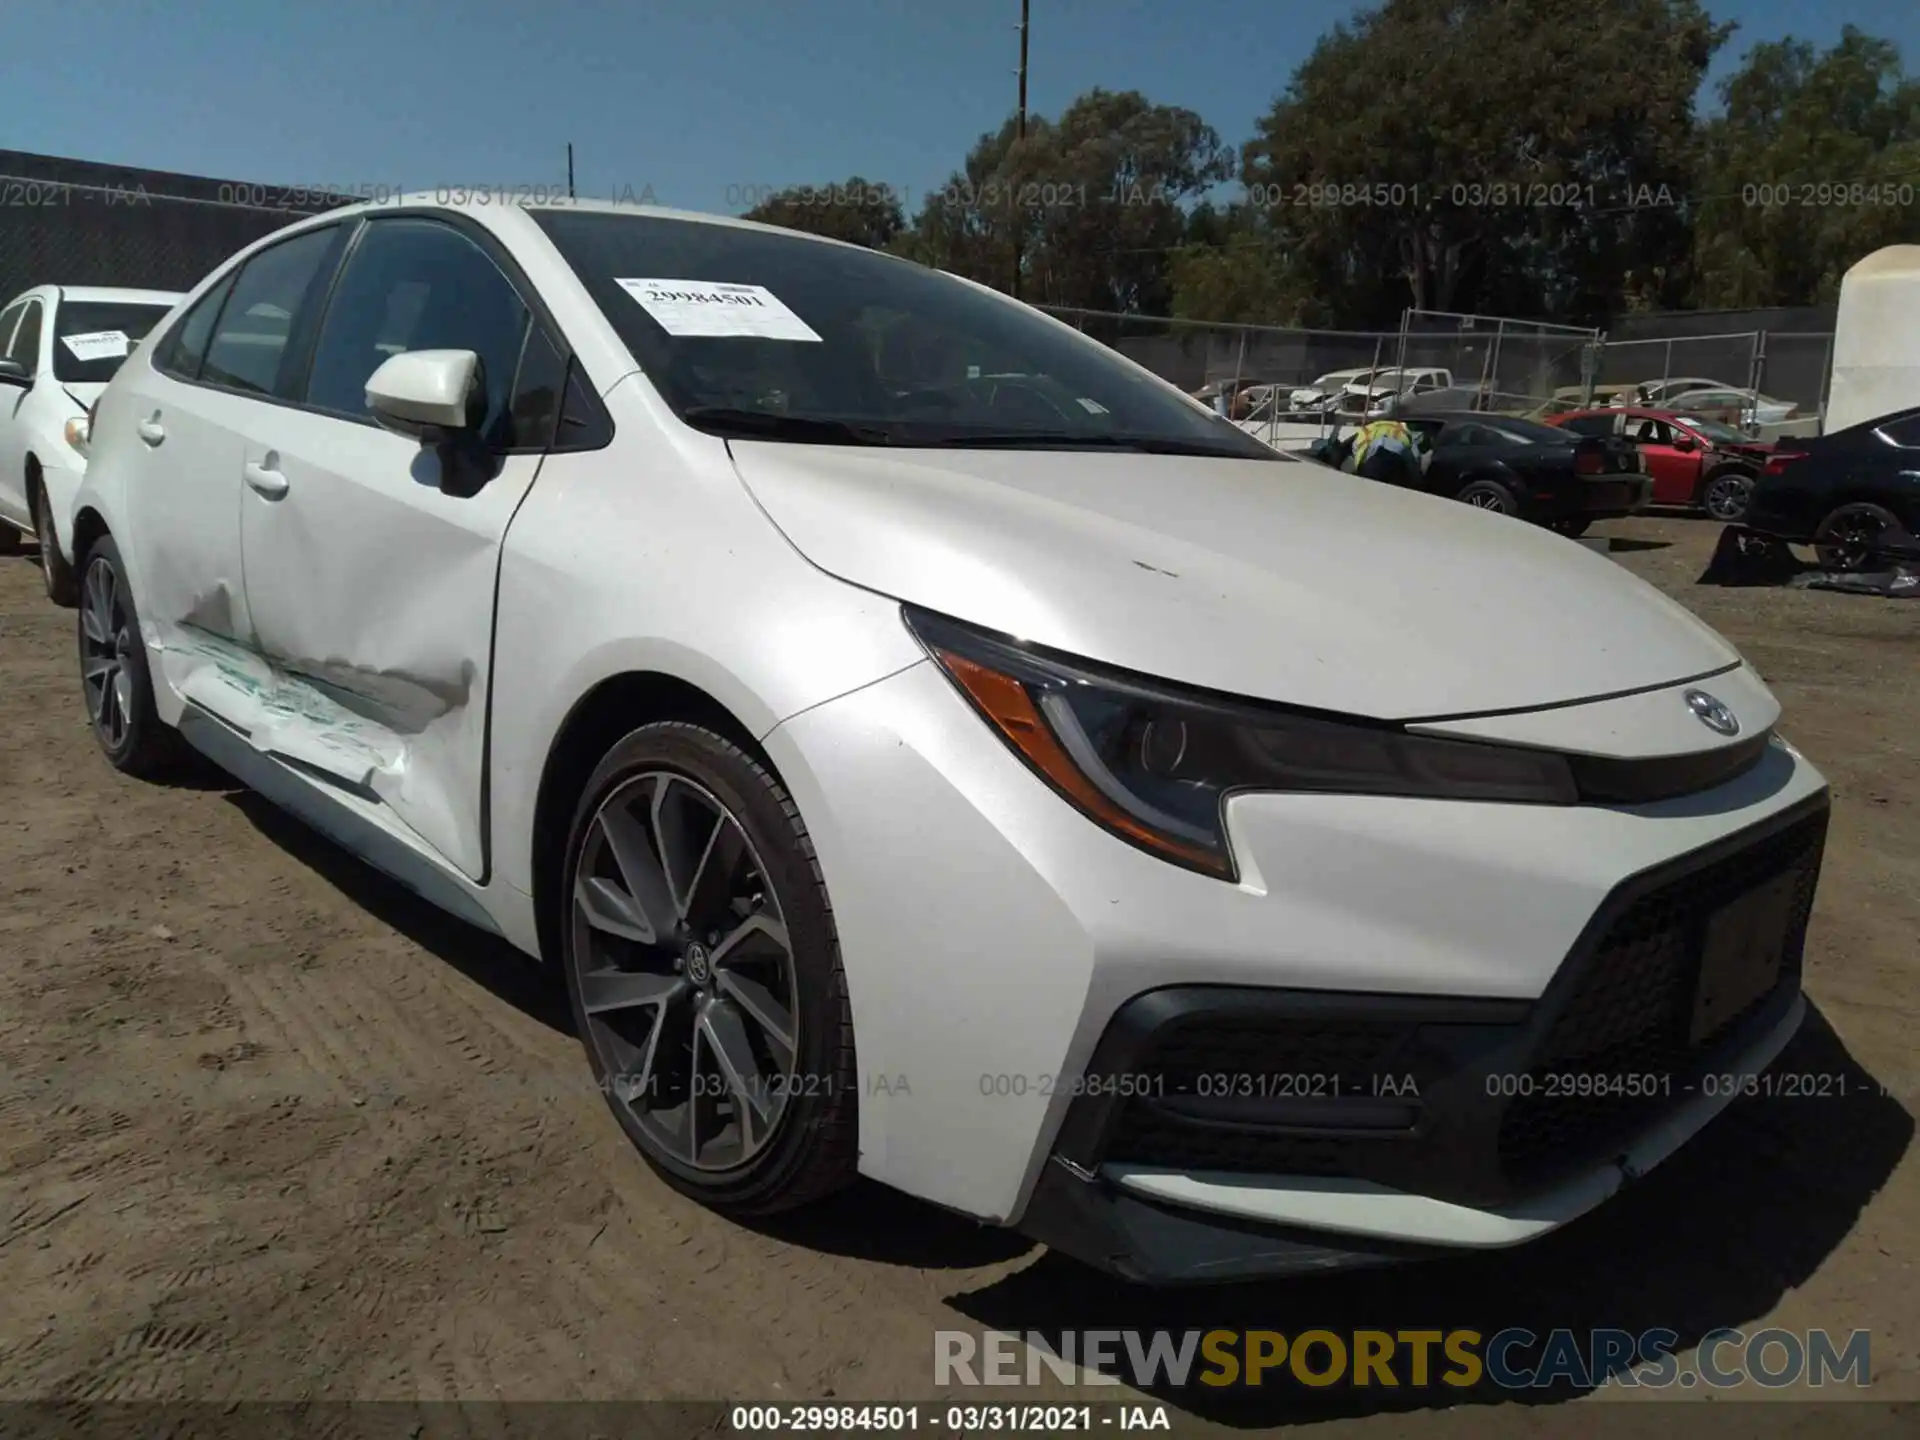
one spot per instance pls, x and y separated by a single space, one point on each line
769 425
1068 440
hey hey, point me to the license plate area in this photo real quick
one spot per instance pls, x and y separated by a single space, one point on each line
1742 953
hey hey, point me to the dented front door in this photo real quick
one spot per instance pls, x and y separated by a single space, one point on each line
371 595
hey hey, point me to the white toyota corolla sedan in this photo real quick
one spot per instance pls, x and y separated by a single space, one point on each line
59 345
931 747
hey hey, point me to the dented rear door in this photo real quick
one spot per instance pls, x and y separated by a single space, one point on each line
370 587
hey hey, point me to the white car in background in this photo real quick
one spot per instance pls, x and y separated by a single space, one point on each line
1322 393
1025 809
59 345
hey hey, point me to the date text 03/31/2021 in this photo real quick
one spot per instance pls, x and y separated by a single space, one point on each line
958 1419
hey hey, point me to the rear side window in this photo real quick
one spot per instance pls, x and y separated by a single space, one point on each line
1905 433
249 342
9 318
421 285
181 348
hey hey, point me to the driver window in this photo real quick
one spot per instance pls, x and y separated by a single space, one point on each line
418 285
1653 432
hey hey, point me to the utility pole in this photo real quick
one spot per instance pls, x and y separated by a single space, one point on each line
1019 144
570 170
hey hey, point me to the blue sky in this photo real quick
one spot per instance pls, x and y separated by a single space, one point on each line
707 102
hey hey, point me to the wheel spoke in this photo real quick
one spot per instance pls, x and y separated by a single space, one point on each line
727 1042
765 927
683 844
759 1006
604 990
640 870
609 909
713 878
122 698
97 665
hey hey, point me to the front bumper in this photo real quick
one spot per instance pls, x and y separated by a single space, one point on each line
1237 1132
991 935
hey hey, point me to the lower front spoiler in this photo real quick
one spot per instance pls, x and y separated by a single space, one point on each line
1233 1227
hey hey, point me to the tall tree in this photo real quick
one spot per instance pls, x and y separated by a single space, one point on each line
1097 199
1812 162
1470 154
855 210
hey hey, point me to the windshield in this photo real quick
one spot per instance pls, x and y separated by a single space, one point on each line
746 332
92 337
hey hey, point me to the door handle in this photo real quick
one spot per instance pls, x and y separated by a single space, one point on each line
151 430
265 480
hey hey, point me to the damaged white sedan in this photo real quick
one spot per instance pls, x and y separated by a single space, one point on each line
932 747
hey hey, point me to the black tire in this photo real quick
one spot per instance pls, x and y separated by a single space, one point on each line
55 573
809 1148
1573 526
137 743
1489 495
1726 493
1844 540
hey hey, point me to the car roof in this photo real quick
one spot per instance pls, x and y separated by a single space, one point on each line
484 207
120 295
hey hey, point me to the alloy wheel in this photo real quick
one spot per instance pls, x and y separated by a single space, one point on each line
1487 500
1727 496
107 639
685 972
1849 538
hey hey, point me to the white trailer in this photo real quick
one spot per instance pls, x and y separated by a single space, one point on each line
1876 339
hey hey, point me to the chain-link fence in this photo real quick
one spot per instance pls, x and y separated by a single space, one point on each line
69 222
1515 366
1767 384
1197 354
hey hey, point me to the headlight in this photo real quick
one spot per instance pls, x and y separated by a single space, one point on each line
78 429
1155 765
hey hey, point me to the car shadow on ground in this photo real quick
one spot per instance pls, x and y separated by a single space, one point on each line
1713 1238
485 959
1624 545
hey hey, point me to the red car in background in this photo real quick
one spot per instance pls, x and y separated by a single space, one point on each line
1696 463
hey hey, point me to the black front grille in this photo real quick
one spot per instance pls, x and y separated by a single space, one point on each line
1625 1023
1231 1059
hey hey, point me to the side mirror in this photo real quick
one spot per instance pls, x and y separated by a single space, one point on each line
14 373
430 395
438 397
1684 442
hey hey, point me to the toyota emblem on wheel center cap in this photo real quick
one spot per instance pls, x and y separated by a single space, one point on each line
1711 713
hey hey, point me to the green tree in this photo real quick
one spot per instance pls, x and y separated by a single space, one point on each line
855 210
1804 170
1486 154
1096 203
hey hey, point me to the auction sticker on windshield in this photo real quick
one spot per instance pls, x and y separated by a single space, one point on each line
711 309
98 345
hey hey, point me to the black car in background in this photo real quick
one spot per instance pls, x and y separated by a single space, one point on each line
1536 472
1848 494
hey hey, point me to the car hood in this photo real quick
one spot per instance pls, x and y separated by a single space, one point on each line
1284 580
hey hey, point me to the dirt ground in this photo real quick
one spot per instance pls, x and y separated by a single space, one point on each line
271 1128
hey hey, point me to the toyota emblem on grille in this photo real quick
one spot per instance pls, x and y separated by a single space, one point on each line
1711 713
